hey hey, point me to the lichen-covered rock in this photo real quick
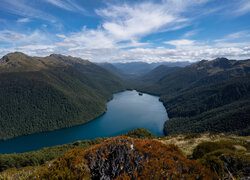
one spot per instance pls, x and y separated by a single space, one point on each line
126 158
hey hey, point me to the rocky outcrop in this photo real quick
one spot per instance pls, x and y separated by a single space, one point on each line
126 158
115 158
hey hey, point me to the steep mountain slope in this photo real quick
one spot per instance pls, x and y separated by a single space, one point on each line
158 73
111 68
206 96
41 94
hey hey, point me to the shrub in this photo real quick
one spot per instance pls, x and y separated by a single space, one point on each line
227 163
207 147
140 133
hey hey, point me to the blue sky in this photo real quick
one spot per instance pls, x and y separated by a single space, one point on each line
127 30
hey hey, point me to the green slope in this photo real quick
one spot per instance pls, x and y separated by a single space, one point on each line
42 94
206 96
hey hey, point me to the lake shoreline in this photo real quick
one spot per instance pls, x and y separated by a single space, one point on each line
126 110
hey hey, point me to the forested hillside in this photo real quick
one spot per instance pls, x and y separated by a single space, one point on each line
42 94
206 96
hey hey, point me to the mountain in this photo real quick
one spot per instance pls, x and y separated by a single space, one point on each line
42 94
158 73
111 68
137 154
141 68
206 96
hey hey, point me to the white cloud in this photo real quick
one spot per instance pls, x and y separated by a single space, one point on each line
130 22
243 7
180 42
127 22
23 20
68 5
66 44
118 37
22 8
10 36
237 39
158 54
190 33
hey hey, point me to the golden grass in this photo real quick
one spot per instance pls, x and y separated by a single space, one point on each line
187 145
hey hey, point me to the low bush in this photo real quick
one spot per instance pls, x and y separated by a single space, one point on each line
227 163
140 133
207 147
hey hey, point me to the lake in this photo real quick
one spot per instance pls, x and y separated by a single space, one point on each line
126 111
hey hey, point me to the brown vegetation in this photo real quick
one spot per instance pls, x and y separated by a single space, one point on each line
125 158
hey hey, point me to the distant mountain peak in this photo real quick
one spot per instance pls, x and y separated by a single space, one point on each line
221 59
15 60
221 63
16 53
12 56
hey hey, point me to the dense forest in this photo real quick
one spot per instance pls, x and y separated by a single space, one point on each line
43 94
203 97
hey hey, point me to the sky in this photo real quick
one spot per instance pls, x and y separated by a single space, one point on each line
127 30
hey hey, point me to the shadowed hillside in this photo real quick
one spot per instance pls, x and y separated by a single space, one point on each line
42 94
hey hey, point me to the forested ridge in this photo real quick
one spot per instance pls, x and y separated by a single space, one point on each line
42 94
205 96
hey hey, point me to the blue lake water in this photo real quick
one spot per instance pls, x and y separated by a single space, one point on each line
126 111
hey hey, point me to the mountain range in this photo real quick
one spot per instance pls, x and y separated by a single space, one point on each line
47 93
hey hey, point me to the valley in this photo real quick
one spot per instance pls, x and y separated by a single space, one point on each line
125 90
59 99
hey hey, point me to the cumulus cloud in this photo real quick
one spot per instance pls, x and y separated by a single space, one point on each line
158 54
